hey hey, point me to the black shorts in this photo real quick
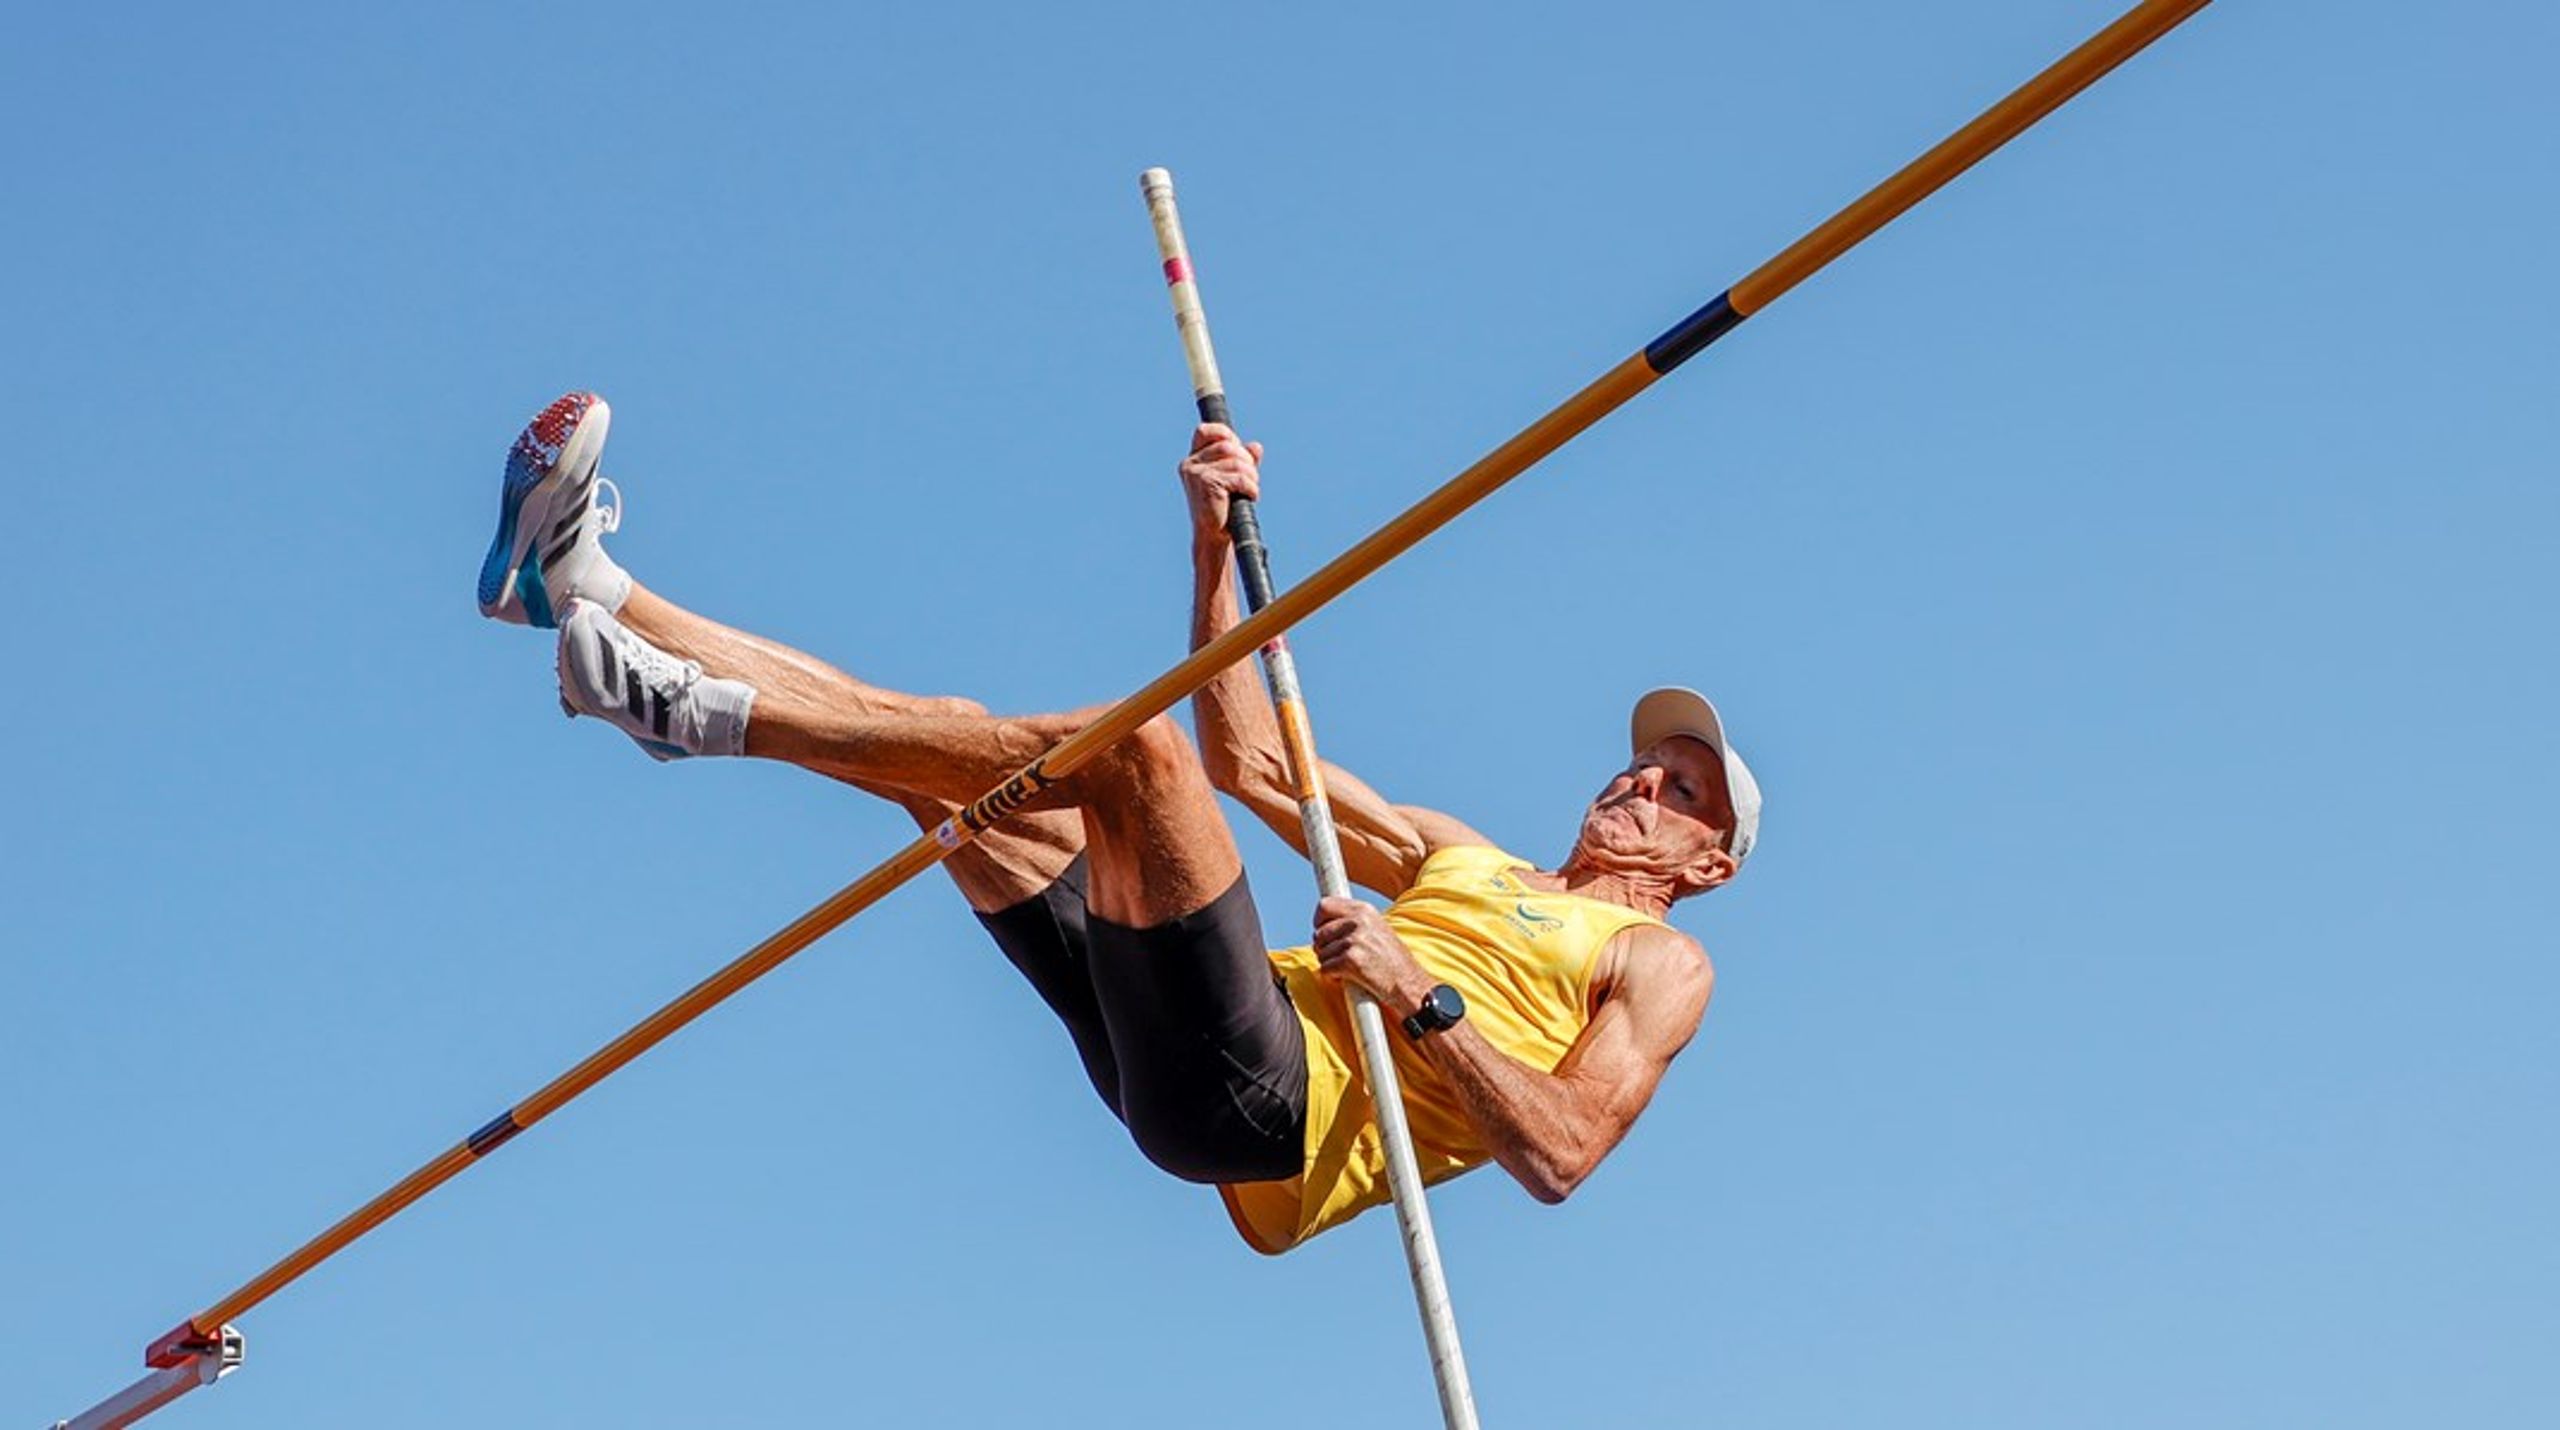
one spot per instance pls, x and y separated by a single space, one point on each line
1184 1028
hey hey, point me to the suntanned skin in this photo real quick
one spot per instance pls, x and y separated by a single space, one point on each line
1158 846
1143 811
1653 836
997 870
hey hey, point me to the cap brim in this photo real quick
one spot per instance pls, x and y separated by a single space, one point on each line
1674 710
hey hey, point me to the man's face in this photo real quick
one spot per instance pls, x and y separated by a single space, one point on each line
1667 812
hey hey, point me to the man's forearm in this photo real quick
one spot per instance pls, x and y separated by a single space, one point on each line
1238 733
1533 1121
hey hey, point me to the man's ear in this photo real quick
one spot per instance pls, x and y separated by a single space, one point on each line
1711 870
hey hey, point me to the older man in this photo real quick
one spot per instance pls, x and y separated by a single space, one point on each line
1538 1008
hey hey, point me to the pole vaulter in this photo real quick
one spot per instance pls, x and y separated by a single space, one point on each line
1315 812
198 1348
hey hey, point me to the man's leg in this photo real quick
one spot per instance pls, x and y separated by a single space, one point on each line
548 561
1008 864
1171 970
1149 822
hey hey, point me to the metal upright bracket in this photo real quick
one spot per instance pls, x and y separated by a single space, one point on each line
204 1366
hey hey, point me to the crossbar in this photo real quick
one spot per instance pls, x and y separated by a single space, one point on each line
2083 66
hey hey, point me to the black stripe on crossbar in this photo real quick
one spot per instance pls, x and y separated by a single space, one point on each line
1684 338
494 1136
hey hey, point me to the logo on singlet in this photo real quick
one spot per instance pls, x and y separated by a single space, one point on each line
1529 921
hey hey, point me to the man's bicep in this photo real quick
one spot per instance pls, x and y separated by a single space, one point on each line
1651 1013
1410 834
1383 845
1440 831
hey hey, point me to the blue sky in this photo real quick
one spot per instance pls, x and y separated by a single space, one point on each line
2130 574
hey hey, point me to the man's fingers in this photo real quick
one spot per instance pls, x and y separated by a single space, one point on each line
1217 441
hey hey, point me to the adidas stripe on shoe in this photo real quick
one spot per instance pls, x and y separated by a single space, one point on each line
667 706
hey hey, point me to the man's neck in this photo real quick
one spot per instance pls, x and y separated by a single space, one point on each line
1642 890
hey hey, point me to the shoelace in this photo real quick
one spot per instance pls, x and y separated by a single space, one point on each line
608 518
655 668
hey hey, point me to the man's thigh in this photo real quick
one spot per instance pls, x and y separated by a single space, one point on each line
1156 841
1047 938
1211 1057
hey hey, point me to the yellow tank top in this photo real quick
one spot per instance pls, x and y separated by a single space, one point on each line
1521 958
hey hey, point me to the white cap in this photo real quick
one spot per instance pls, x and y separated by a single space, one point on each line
1675 710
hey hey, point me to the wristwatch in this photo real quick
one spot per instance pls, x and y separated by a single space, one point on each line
1440 1011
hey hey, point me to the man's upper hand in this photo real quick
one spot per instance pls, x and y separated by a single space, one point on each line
1383 845
1220 466
1354 945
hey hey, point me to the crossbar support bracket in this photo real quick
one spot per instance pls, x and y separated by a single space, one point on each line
207 1362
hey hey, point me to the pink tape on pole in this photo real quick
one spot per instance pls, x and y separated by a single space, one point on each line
1177 270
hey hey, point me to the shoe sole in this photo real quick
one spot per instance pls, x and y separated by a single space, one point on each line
555 457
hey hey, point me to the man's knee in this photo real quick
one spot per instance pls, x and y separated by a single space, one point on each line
1162 746
1153 755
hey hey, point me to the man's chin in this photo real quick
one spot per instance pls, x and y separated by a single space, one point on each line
1596 839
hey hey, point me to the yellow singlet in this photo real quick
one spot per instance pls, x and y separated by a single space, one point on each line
1521 958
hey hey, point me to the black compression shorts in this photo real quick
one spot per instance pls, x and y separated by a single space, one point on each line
1184 1028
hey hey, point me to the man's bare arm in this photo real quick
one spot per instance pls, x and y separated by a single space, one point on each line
1547 1129
1383 845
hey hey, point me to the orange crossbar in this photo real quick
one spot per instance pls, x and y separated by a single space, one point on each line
2076 71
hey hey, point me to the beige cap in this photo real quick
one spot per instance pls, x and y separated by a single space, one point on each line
1676 710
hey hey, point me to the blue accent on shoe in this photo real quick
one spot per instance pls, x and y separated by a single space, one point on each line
493 568
663 751
535 596
522 478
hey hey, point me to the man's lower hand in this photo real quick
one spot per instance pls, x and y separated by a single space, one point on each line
1354 945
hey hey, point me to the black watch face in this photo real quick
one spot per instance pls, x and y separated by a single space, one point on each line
1441 1009
1444 1006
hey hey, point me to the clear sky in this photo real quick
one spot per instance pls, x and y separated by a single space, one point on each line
2131 574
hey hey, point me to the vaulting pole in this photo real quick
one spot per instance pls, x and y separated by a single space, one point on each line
200 1334
1315 816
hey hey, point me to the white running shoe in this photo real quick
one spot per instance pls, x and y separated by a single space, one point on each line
550 544
667 706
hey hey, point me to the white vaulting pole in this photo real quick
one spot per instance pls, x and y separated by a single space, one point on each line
1315 813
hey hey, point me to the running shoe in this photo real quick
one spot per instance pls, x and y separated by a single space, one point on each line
667 706
552 520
